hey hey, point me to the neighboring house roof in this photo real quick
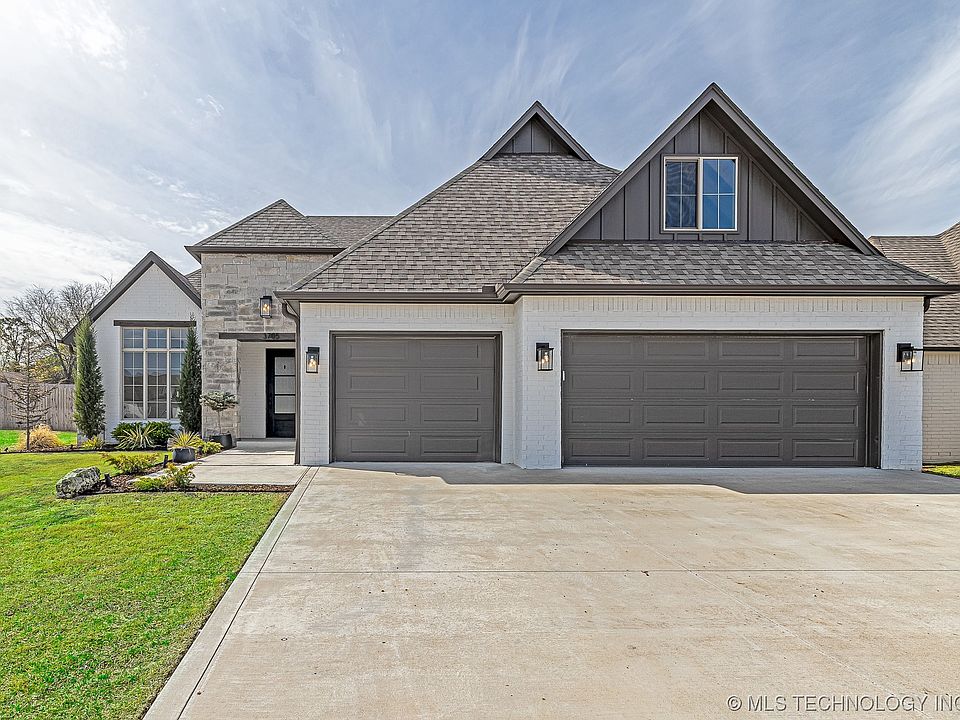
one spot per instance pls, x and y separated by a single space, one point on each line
148 260
479 228
939 256
279 227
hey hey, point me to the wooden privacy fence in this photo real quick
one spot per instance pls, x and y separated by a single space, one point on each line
59 416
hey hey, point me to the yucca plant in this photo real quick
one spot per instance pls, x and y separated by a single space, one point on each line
185 446
186 440
136 438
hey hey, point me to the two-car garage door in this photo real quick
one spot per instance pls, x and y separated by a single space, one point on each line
715 400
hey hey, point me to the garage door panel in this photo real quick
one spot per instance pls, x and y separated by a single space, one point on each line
723 400
431 399
749 415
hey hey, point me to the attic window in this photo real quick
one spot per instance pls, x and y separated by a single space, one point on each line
699 193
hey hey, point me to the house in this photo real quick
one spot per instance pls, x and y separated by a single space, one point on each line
939 257
706 306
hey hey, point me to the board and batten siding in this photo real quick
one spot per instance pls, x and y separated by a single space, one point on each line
941 406
764 210
153 297
531 400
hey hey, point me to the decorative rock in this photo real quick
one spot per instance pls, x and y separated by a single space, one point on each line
78 482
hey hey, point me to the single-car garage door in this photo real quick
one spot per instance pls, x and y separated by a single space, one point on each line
714 400
416 398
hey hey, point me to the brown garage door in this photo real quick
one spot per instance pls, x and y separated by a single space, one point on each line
415 398
714 400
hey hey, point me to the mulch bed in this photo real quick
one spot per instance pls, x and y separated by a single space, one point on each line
121 484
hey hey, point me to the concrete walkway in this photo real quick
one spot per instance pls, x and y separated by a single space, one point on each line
487 591
252 462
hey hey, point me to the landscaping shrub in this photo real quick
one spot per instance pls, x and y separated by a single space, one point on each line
132 464
88 382
159 432
136 436
136 439
189 390
151 483
174 477
209 447
41 438
94 443
186 440
178 476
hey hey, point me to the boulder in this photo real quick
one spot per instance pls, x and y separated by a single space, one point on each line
78 482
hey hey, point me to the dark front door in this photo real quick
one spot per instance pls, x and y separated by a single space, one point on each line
416 398
281 393
721 400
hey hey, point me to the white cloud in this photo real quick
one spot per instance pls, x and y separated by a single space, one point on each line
907 155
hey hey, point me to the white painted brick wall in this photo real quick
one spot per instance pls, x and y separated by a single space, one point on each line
152 297
531 399
941 407
252 359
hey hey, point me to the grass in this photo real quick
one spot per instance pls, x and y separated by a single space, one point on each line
8 438
948 470
102 595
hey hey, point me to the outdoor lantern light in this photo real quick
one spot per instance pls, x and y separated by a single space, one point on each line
544 356
313 359
266 306
909 357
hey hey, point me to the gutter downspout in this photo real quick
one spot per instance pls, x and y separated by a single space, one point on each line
287 312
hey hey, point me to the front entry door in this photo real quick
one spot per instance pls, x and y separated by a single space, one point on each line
281 393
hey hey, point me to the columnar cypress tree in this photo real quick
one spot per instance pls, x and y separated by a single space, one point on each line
190 385
88 410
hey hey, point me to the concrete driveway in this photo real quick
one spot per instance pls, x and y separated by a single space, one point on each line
487 591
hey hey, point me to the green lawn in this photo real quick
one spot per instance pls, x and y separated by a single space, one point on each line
101 596
948 470
8 438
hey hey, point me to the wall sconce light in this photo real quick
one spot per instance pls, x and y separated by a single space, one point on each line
266 306
909 357
313 359
544 356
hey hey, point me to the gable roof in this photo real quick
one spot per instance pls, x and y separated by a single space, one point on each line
537 112
939 256
347 229
792 179
194 279
478 228
148 260
278 227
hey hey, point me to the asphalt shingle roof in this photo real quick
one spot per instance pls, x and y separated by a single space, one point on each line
279 224
479 228
347 229
194 279
939 256
716 263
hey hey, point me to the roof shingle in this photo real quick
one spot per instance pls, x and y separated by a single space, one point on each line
479 228
716 263
278 225
939 256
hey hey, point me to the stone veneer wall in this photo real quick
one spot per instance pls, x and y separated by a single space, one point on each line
231 289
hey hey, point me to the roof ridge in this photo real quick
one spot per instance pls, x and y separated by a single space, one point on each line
390 223
279 202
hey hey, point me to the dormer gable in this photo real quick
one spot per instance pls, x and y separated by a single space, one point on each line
537 132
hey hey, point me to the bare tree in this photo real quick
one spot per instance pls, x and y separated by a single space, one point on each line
27 393
14 334
51 314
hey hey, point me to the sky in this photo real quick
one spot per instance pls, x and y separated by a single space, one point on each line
134 126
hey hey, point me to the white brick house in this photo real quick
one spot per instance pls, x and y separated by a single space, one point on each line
705 306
